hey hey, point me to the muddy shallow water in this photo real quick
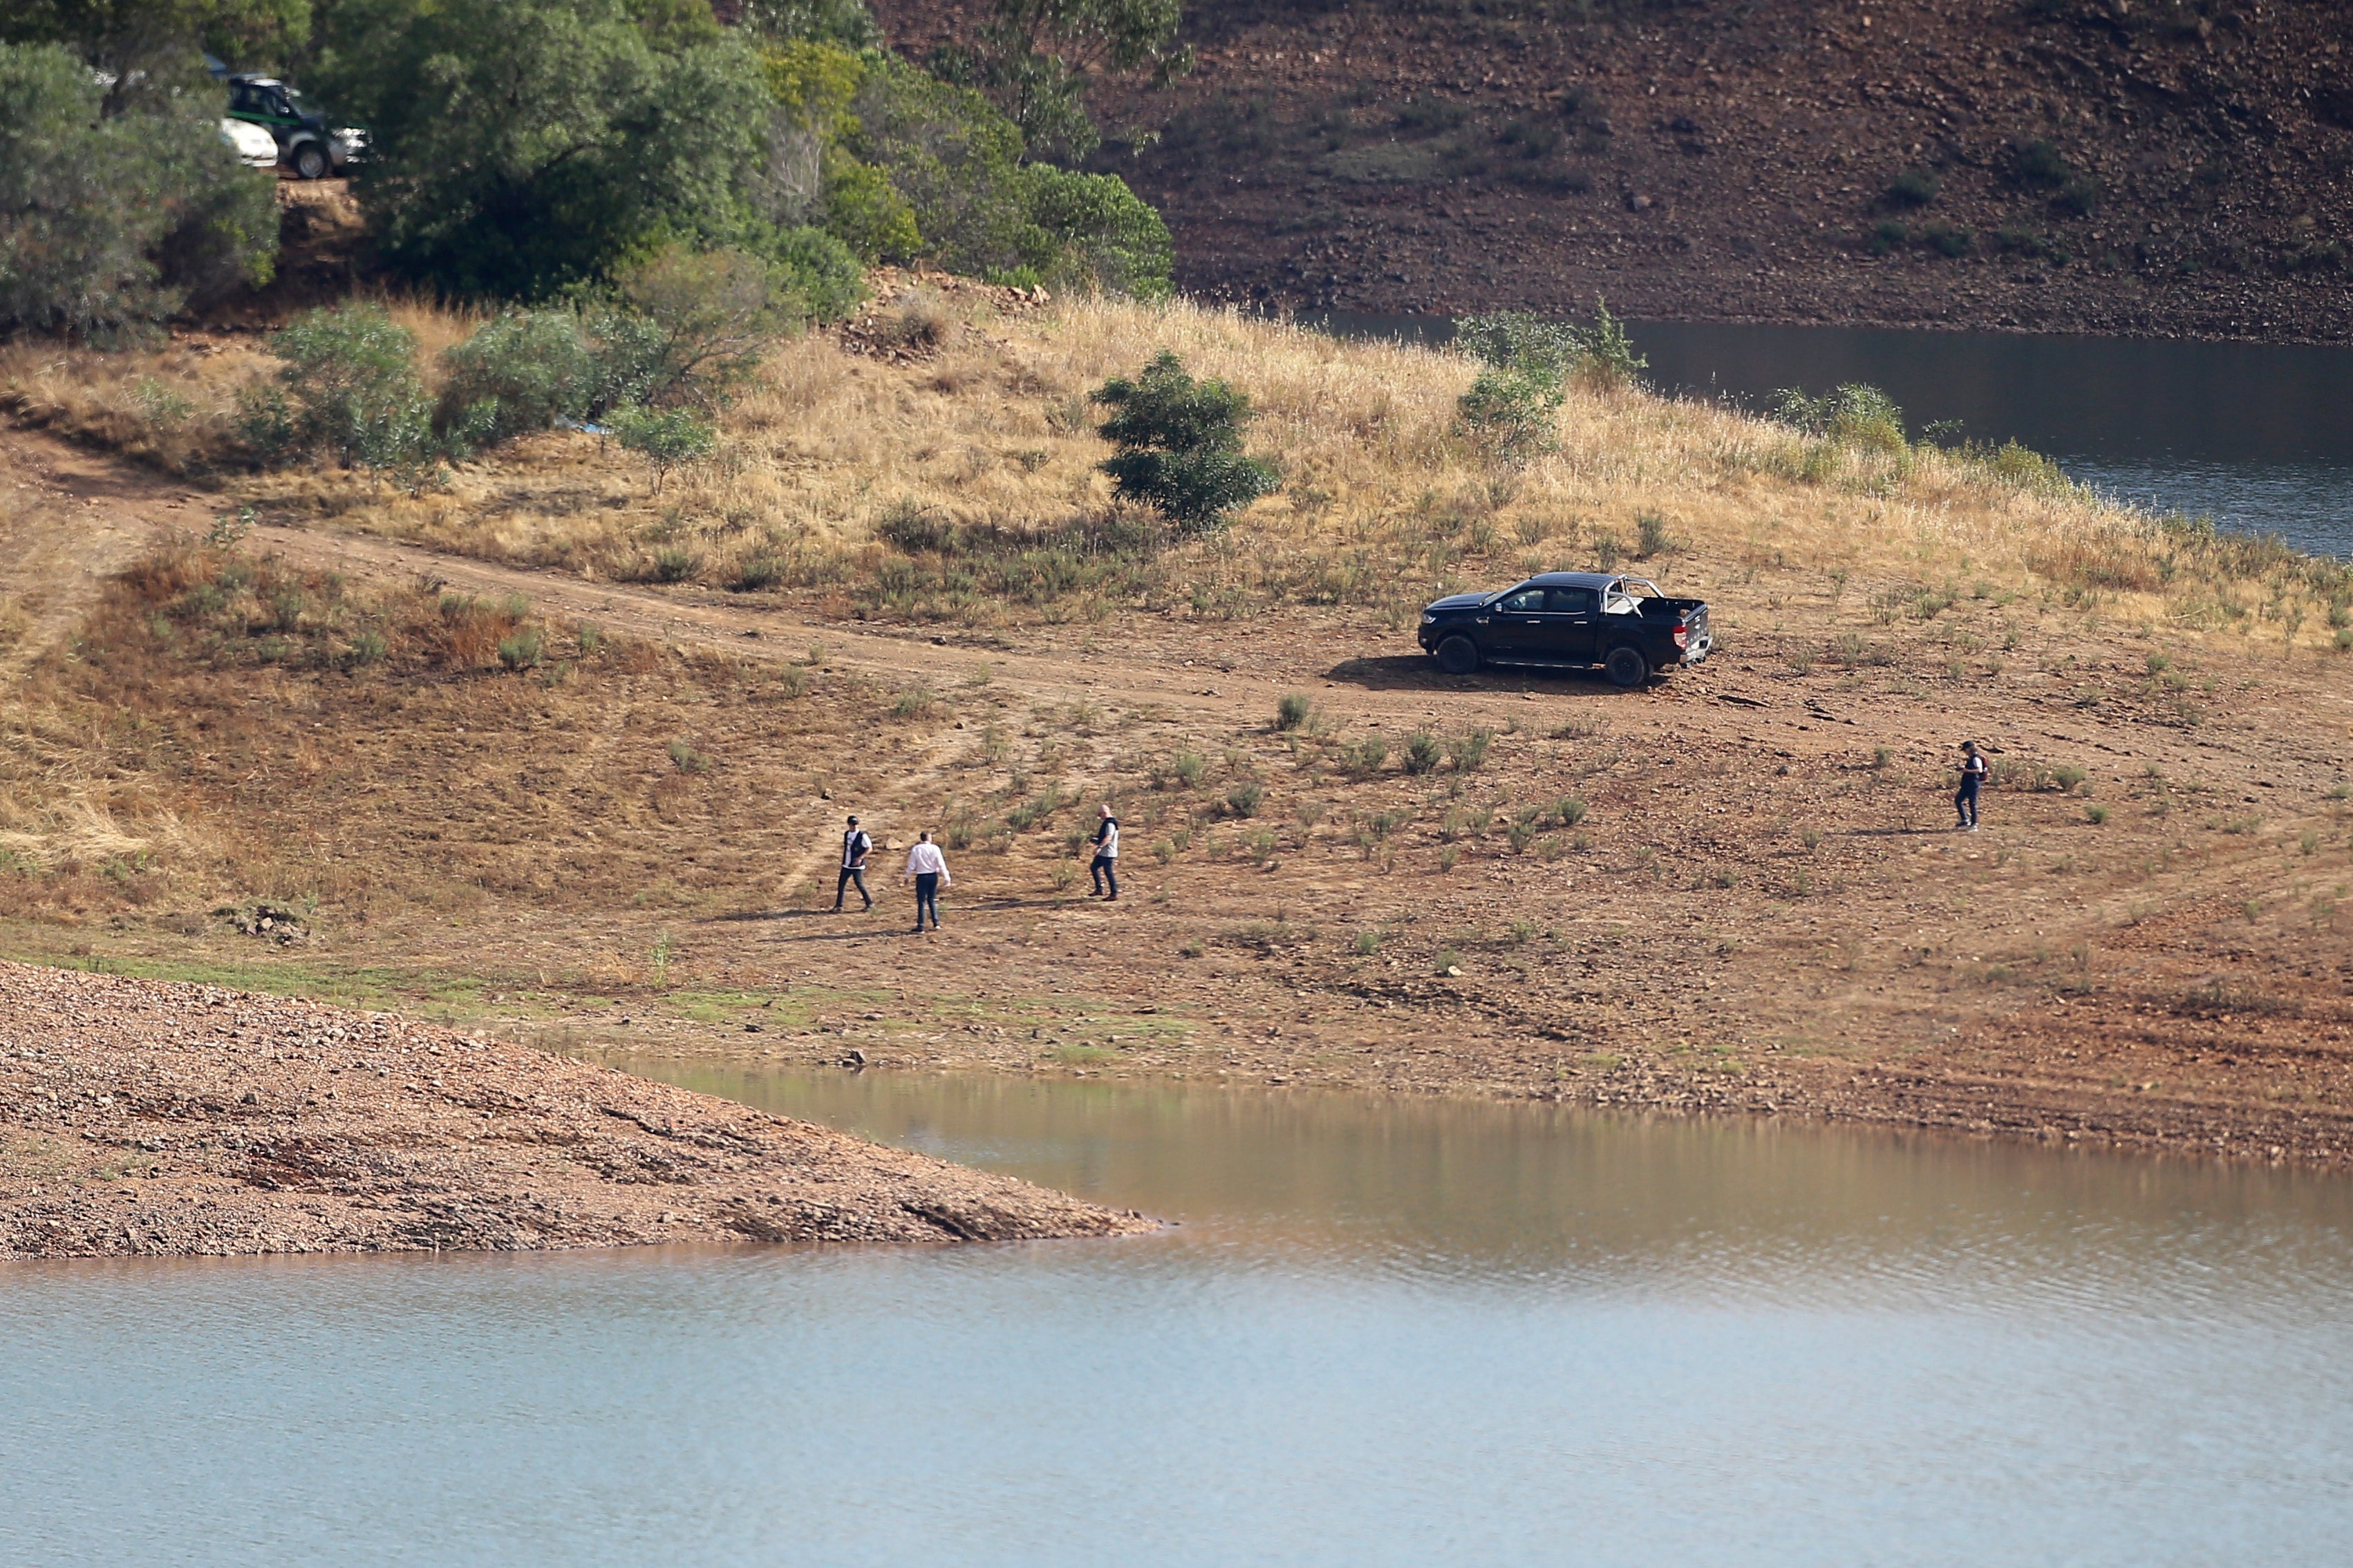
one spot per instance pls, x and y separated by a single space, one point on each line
1384 1331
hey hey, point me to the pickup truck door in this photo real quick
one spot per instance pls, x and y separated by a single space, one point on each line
1568 634
1516 625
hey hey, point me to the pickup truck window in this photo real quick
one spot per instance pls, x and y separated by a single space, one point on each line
1526 601
1569 601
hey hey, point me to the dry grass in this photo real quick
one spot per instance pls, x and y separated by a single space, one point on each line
953 478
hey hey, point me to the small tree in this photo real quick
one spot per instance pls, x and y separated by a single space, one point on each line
665 437
347 388
1179 445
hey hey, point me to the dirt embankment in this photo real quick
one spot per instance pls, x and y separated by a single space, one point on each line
138 1117
1762 159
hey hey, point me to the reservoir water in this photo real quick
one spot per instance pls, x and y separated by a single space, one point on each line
1384 1331
2258 437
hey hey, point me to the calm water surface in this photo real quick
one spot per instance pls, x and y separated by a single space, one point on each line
1385 1333
2259 436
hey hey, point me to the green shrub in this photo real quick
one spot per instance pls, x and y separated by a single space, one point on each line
1912 188
686 759
2079 196
1853 415
1423 751
683 326
1651 530
1292 710
1244 797
1090 232
1362 759
675 563
1469 751
1179 445
1552 354
665 437
1887 236
520 650
1945 239
520 373
117 207
2038 164
758 571
346 388
819 270
1515 415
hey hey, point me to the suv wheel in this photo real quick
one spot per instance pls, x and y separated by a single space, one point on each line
1626 667
1458 656
310 161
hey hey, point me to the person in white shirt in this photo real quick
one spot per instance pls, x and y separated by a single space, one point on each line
928 870
1104 867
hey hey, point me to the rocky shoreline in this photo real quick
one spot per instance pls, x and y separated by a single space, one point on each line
142 1118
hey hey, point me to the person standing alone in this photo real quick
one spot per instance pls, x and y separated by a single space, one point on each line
1973 777
1104 867
855 846
928 868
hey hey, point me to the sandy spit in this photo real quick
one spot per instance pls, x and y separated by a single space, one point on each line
146 1117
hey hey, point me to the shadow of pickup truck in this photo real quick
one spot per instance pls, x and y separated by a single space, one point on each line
1625 626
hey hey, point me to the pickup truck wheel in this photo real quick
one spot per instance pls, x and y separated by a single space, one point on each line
1626 667
1458 656
310 161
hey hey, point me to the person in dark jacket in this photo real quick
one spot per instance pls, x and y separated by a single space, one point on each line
855 847
1974 769
1104 867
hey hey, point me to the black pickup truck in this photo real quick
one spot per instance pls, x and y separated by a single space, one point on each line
1569 619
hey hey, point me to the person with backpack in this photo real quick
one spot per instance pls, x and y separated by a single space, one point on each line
928 870
855 846
1104 867
1974 769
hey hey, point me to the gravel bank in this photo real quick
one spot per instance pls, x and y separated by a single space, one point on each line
138 1117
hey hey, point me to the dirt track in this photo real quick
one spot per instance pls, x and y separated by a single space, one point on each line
2174 978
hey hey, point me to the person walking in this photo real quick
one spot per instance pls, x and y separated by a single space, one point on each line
928 870
855 846
1104 867
1974 769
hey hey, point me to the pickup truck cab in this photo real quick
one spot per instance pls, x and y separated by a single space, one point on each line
1624 626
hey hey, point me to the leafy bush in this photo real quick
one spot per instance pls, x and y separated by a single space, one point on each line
1469 751
520 373
1945 239
1553 353
1291 711
1652 539
1912 188
347 389
1888 235
820 270
1423 751
1244 797
1035 58
1090 232
1515 415
684 326
666 438
1853 415
110 220
1179 445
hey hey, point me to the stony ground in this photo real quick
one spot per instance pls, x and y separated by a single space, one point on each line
144 1118
1740 158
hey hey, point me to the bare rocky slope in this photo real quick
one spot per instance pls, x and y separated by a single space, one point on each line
139 1117
2138 167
